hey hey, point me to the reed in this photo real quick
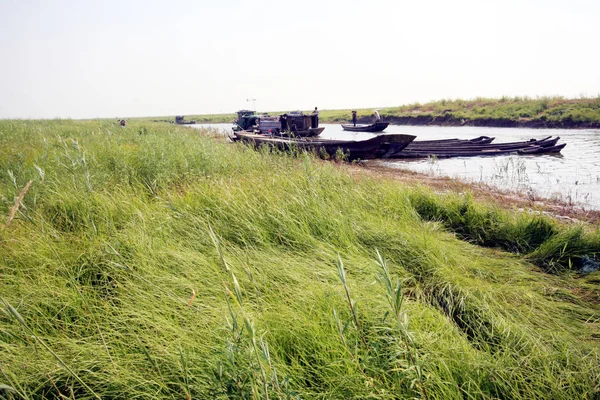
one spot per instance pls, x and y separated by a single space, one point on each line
159 262
548 245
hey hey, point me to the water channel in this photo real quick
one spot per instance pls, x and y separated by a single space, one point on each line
572 177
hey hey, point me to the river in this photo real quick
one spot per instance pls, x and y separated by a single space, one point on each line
572 177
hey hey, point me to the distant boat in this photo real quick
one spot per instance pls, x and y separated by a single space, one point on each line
374 127
180 120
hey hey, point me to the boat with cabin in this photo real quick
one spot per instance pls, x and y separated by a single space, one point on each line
294 124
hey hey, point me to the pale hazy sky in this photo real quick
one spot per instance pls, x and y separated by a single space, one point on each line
86 59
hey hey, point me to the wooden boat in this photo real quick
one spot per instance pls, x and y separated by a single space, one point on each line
543 147
180 120
478 140
380 146
544 150
392 144
374 127
294 124
440 147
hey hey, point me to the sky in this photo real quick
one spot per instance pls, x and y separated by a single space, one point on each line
129 58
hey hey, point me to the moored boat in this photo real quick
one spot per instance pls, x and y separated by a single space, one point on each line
380 146
295 124
543 150
435 147
543 146
478 140
374 127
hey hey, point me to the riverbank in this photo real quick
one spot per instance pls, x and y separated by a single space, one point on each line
505 112
448 119
506 199
547 112
160 261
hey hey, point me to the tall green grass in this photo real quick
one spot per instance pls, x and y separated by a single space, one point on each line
554 248
548 108
158 262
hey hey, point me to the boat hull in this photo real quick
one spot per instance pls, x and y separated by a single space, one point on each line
480 145
453 148
375 127
380 146
479 153
477 140
311 132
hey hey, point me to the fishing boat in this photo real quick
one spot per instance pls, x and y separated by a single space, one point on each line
294 124
374 127
380 146
544 150
481 145
534 146
454 141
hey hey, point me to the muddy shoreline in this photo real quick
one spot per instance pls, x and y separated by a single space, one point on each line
561 211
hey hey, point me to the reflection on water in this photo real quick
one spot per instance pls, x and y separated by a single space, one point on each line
573 176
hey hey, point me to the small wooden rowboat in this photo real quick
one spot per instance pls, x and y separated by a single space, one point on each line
380 146
435 147
543 146
375 127
454 141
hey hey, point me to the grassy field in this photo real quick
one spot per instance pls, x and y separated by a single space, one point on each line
544 112
158 261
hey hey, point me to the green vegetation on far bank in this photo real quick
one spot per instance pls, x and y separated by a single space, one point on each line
543 112
155 261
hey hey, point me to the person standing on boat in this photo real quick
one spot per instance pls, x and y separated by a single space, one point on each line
377 116
354 117
315 118
284 122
